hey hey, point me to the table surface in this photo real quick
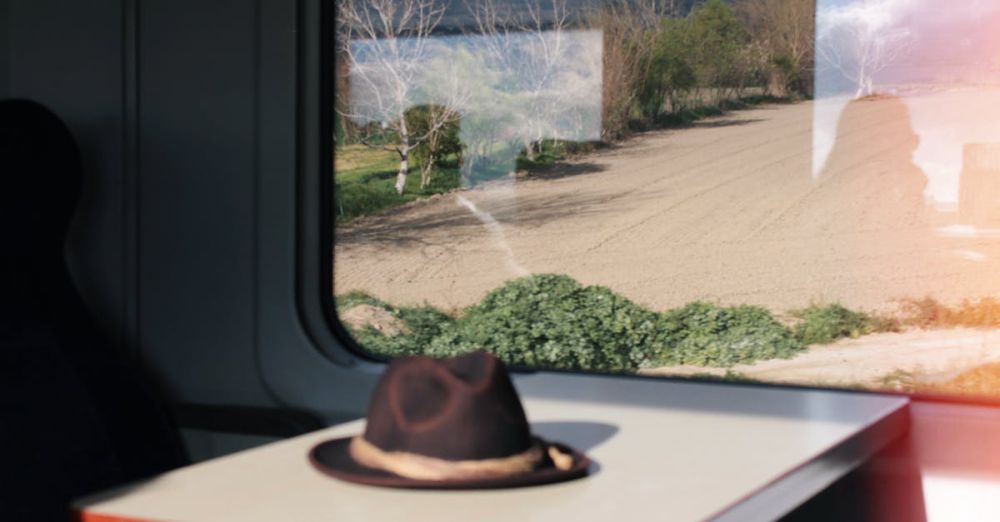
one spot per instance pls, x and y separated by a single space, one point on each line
662 450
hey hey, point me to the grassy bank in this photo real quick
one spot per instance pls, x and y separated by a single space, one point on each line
552 321
365 181
699 111
982 380
365 177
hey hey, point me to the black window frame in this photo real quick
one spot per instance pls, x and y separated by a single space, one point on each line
327 331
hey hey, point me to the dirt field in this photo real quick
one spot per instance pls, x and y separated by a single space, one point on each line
726 211
928 357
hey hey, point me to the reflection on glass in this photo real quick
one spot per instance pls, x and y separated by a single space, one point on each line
780 190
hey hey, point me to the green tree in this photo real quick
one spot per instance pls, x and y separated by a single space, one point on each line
719 37
786 31
672 72
440 141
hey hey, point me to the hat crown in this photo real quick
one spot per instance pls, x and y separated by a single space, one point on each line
463 408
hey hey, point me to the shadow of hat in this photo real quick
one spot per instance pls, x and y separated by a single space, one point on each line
447 424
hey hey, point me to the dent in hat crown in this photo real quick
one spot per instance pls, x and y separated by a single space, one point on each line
463 408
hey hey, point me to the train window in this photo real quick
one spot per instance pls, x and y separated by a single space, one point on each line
802 192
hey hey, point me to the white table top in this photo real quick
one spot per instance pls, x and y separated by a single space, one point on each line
677 451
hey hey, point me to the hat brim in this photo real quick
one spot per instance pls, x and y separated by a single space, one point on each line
333 458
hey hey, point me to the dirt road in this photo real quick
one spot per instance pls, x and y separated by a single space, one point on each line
727 211
926 356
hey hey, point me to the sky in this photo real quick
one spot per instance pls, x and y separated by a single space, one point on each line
947 41
948 77
949 47
510 89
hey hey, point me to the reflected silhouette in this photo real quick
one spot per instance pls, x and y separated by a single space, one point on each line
862 225
870 174
979 188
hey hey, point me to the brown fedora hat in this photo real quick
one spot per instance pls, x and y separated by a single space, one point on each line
447 424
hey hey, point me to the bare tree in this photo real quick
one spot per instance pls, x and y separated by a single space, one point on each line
630 28
786 29
388 48
528 47
860 40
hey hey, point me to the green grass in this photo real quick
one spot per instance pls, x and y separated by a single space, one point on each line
707 334
685 117
729 376
737 377
824 324
355 298
365 181
355 162
688 116
423 323
544 159
898 380
365 178
552 321
748 102
554 151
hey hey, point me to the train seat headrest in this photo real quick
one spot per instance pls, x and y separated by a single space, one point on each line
40 180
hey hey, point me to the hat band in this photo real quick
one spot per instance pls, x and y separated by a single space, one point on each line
422 467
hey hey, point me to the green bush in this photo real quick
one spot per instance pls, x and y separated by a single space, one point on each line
423 322
353 199
552 321
355 298
704 334
425 325
719 35
375 192
551 152
670 72
438 144
825 324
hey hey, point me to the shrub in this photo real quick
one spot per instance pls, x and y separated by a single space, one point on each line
353 199
898 380
374 192
929 312
825 324
424 323
549 152
552 321
437 144
355 298
670 73
709 335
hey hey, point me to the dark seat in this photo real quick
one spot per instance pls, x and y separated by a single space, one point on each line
76 416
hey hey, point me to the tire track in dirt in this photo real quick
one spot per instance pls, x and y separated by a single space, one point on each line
726 211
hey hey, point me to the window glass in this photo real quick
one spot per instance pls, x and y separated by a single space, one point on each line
788 191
